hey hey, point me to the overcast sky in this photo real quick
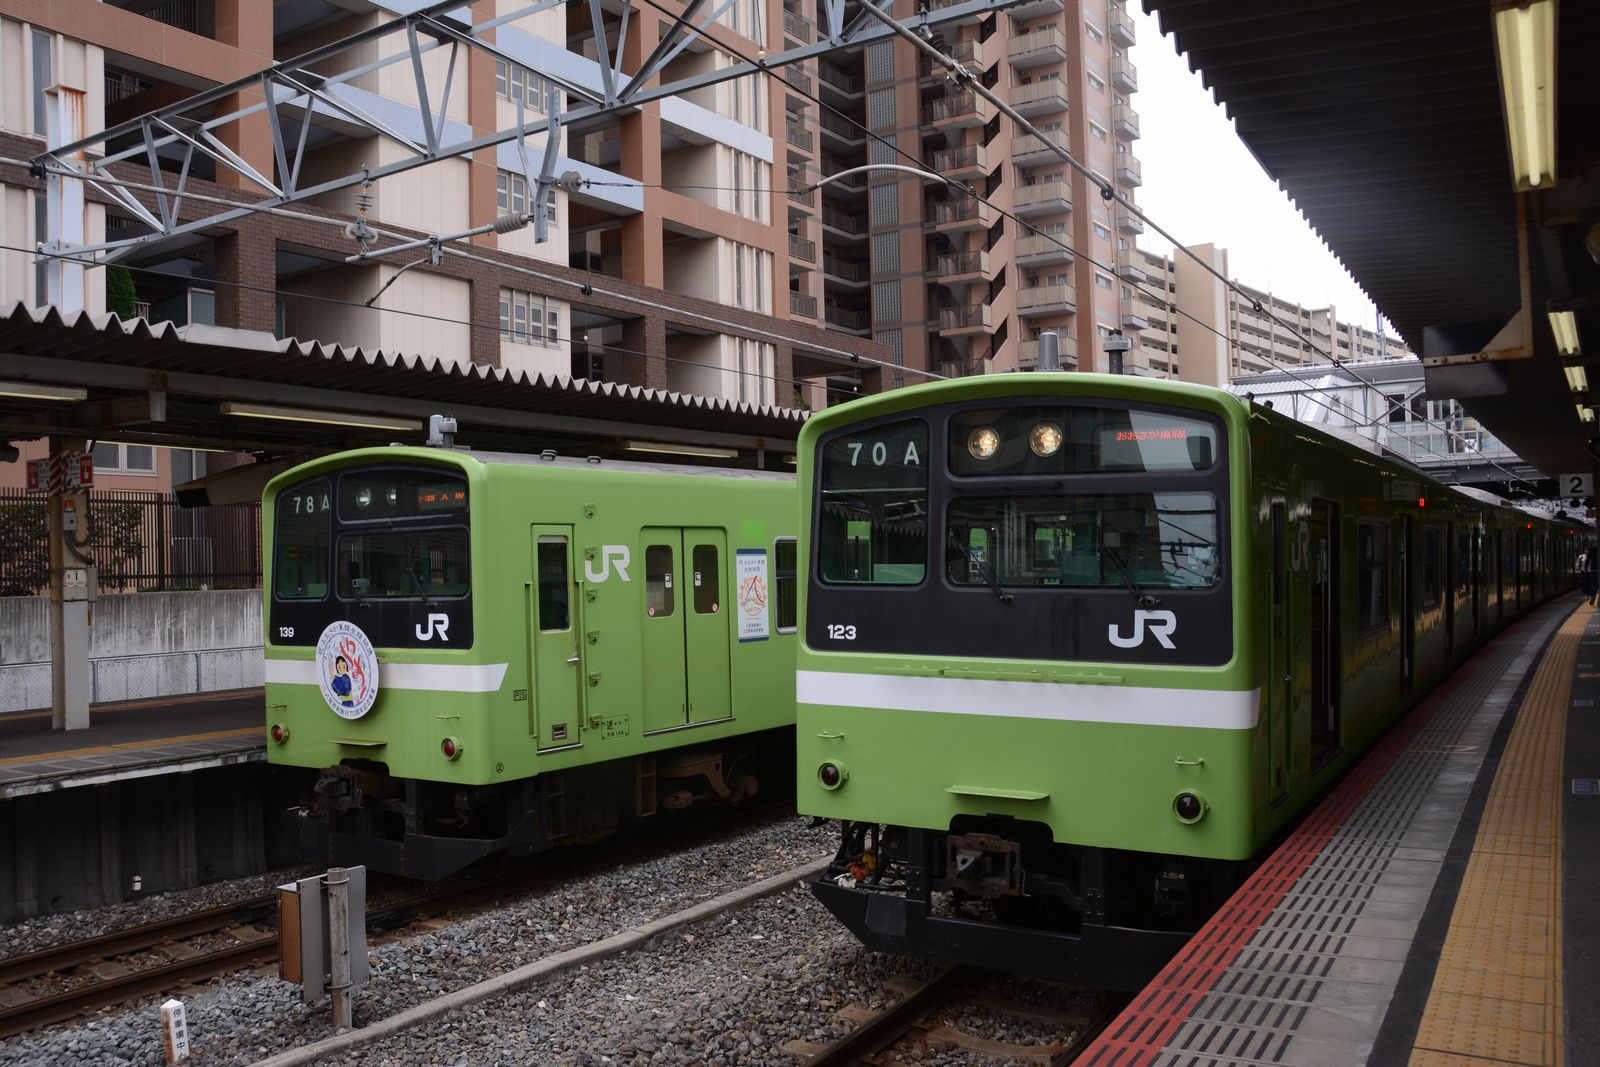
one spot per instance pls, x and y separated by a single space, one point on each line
1202 185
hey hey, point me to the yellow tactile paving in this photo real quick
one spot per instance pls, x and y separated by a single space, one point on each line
128 746
1497 996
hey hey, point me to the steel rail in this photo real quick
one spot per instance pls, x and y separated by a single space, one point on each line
895 1021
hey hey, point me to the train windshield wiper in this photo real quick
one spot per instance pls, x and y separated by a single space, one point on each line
1144 599
994 582
427 600
957 550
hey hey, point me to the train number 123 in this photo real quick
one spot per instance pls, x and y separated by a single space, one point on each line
837 632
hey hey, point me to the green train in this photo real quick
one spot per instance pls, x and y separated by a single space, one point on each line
1076 647
479 653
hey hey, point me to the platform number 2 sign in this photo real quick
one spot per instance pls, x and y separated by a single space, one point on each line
1577 485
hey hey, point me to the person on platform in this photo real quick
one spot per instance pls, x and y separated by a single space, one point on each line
1589 569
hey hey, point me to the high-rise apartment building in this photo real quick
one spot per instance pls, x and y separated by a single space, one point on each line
1199 330
948 282
668 265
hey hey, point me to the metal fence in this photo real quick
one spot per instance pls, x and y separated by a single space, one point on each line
140 542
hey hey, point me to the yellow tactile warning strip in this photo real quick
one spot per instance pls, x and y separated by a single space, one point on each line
132 746
1497 993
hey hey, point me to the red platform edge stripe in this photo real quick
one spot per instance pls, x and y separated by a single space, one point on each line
1143 1030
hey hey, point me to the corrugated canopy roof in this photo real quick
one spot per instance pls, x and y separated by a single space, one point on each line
198 367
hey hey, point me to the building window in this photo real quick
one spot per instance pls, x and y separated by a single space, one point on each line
1102 232
112 458
518 85
1094 34
1096 132
529 319
1102 281
511 196
1095 83
43 78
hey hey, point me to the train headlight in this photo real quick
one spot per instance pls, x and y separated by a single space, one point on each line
832 774
1189 807
364 496
983 442
1045 440
280 733
450 747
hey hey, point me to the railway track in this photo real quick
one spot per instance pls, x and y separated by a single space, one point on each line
913 1019
70 981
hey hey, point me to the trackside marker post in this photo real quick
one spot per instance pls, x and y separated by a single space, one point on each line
174 1031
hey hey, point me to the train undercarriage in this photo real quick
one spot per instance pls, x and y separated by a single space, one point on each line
1000 894
360 814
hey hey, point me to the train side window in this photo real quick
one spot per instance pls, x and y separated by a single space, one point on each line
554 611
784 586
1372 575
707 580
659 600
1279 578
1432 565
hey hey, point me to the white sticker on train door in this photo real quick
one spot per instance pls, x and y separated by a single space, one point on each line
750 582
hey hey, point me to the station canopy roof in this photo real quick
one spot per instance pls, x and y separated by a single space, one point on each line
1383 122
209 387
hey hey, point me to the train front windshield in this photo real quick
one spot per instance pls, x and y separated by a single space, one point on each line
382 547
974 515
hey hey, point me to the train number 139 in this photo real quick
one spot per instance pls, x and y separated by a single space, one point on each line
837 632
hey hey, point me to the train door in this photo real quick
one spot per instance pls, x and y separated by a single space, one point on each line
1447 588
662 671
1499 574
705 624
555 709
1408 608
1280 658
1324 604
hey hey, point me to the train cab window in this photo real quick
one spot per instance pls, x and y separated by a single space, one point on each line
300 541
555 613
402 563
1432 565
787 603
872 525
707 580
1372 575
659 600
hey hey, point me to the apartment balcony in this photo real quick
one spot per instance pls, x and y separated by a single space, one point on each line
848 319
968 53
957 111
1028 150
1051 198
1124 75
798 136
801 249
799 82
966 161
195 16
840 130
961 268
1121 26
843 225
940 5
831 77
1036 300
802 187
855 184
1130 266
1040 98
1124 121
964 319
957 216
1033 9
1038 48
1134 320
1128 171
1130 224
1042 250
1028 352
847 271
802 29
802 306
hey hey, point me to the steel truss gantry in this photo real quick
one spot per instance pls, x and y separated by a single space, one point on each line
293 97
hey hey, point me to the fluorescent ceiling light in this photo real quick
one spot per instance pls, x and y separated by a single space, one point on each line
699 451
1525 38
1577 380
327 418
30 391
1564 324
1586 414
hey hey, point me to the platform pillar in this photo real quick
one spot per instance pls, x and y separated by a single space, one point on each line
71 588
